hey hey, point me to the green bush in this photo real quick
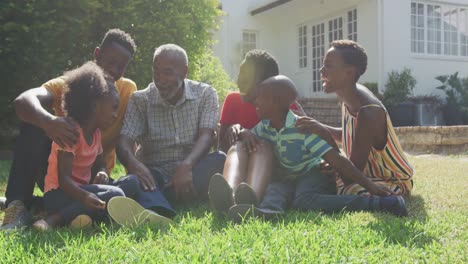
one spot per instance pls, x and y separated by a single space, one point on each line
456 89
41 39
399 87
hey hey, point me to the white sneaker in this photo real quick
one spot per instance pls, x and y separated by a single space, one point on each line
82 221
127 212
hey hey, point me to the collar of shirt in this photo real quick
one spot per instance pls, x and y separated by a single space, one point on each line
156 99
290 121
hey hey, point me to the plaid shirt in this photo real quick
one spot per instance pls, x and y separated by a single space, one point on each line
166 133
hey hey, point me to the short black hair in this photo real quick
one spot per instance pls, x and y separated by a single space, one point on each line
120 37
84 86
264 63
352 54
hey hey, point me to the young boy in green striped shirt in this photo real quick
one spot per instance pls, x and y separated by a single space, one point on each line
300 184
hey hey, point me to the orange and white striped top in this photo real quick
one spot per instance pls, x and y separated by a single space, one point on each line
389 164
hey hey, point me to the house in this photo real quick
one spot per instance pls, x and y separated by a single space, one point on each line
429 37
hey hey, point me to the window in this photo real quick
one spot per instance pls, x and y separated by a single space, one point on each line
312 49
249 41
434 30
302 33
417 28
318 52
335 29
450 31
352 25
439 29
463 31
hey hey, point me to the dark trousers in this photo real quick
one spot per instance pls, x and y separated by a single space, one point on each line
29 166
314 191
158 200
58 202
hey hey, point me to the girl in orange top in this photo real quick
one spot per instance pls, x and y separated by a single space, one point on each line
367 134
71 194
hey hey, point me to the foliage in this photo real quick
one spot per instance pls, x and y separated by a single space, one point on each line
41 39
456 90
209 70
374 88
399 87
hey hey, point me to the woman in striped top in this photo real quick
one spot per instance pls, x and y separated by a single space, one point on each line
367 134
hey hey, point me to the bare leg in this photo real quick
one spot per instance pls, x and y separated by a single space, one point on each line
235 167
260 169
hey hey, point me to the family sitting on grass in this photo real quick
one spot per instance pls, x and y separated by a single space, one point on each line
272 157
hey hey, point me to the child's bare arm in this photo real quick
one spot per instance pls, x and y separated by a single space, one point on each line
348 170
64 162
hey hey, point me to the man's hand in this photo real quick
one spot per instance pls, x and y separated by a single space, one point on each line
92 202
233 133
250 140
182 182
101 178
62 130
145 177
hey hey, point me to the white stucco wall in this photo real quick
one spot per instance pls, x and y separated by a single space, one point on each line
396 33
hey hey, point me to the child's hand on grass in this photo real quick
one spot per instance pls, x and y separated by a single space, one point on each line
328 170
92 202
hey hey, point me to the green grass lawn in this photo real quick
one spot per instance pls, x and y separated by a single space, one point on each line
435 232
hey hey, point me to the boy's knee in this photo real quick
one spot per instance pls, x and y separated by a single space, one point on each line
265 148
113 192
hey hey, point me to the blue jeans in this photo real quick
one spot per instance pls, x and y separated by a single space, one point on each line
314 191
57 201
157 200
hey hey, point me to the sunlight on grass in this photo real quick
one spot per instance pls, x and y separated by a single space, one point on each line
435 232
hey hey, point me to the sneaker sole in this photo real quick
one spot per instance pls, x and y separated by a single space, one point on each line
127 212
244 194
220 193
81 222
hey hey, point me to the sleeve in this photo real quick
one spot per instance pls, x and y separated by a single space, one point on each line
71 149
316 145
227 113
210 109
258 129
134 120
56 87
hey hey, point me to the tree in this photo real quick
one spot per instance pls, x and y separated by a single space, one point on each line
44 38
